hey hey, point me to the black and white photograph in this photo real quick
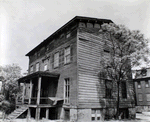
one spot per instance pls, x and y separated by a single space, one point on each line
74 60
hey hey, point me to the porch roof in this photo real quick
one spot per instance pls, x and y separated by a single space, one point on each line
39 74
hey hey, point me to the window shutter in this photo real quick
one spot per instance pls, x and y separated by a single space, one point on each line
71 53
52 61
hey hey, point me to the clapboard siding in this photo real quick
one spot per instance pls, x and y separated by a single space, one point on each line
91 93
88 67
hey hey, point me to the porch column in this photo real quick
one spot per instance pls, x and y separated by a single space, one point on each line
39 91
37 116
38 99
30 93
47 113
24 87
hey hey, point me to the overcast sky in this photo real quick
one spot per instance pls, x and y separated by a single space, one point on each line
26 23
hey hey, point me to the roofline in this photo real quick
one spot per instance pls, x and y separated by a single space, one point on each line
38 74
67 24
139 79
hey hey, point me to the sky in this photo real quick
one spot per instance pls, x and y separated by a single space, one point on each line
26 23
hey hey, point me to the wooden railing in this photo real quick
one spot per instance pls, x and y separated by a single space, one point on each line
33 101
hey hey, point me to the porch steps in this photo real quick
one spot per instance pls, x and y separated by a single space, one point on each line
16 113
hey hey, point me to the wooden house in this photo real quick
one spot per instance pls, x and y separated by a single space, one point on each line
63 81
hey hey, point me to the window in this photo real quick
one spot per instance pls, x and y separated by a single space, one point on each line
56 59
148 97
37 67
67 114
45 67
95 114
108 88
146 84
140 97
67 90
68 35
139 84
67 55
124 89
31 69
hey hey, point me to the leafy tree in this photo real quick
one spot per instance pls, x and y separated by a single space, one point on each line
10 74
127 49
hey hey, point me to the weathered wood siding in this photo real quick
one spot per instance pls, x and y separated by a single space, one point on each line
65 70
91 92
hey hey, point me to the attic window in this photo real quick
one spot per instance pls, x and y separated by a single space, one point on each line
68 35
143 72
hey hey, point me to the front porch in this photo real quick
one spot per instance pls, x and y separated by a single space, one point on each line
39 94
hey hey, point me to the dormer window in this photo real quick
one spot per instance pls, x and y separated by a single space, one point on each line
144 72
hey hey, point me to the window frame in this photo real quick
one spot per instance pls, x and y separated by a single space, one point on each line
37 67
124 96
56 60
139 84
108 91
66 55
140 100
31 69
96 114
146 83
67 90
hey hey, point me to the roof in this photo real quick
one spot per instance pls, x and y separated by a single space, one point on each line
39 74
64 27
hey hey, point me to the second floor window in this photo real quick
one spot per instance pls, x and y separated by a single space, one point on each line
56 59
108 88
146 84
67 55
139 84
31 69
123 89
37 67
45 67
67 90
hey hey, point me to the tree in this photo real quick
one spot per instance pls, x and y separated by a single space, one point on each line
10 74
127 49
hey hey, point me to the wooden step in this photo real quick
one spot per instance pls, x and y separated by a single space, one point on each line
16 113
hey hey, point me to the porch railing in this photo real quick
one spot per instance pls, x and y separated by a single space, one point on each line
33 101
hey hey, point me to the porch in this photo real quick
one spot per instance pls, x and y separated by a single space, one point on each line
38 93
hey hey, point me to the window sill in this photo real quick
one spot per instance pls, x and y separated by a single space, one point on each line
67 63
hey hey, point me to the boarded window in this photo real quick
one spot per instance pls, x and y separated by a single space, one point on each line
67 55
67 90
95 114
148 97
123 89
108 88
139 84
56 59
140 97
146 84
37 67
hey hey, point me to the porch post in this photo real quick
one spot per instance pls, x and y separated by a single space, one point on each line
30 93
39 91
37 116
38 99
24 87
47 113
